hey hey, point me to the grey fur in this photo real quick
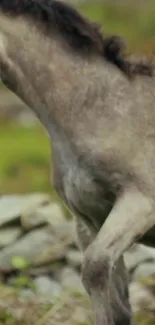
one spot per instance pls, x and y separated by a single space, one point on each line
101 125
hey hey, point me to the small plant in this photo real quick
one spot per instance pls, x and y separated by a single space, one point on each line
22 280
19 263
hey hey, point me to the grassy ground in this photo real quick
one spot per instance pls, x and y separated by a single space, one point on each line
25 159
70 309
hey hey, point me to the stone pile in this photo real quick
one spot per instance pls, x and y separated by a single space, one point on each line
37 230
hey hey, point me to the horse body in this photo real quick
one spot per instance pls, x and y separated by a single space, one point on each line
101 123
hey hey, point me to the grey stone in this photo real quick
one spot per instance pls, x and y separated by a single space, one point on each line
9 235
32 218
74 257
10 208
46 286
144 270
54 214
13 206
37 248
51 213
70 279
138 254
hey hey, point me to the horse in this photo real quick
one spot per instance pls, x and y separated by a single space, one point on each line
98 109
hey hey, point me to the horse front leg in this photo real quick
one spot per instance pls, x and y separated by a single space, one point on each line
86 235
103 273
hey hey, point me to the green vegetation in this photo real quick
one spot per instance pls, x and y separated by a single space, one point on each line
25 159
133 20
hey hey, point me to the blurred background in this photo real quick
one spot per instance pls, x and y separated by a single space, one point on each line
39 257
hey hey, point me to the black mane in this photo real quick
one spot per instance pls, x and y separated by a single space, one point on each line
81 34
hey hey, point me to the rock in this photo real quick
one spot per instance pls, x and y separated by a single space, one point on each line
70 279
144 270
138 254
53 214
13 206
10 208
74 257
9 235
46 286
29 219
36 199
32 218
140 297
37 248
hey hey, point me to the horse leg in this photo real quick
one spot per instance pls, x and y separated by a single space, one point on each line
85 238
103 268
85 234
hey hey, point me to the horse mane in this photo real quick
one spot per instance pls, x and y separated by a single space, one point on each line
82 35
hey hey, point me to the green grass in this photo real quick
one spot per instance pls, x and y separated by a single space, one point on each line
134 22
25 159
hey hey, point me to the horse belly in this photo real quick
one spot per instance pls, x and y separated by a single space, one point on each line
87 197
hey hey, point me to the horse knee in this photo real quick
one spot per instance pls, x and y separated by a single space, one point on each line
95 269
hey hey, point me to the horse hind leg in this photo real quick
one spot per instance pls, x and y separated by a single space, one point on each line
85 237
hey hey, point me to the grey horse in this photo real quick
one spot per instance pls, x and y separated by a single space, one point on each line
98 109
